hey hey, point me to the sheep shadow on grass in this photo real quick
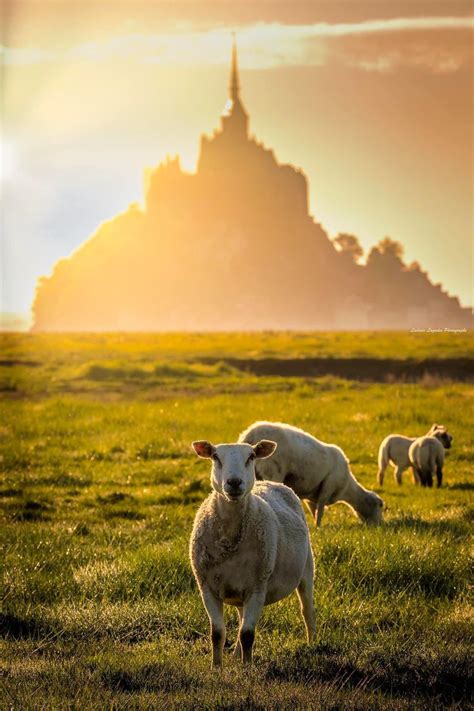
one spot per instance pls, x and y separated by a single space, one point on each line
439 678
453 527
462 486
14 626
157 677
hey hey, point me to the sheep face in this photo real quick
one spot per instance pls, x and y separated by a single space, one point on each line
372 511
442 434
233 465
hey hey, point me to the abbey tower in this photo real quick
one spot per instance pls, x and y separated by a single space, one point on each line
231 247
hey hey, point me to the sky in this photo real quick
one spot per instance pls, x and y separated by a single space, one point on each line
373 100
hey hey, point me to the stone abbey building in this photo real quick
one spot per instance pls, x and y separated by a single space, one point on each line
232 247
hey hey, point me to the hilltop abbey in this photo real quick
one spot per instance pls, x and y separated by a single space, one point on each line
233 247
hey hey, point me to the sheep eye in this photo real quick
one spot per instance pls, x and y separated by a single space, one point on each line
217 460
250 459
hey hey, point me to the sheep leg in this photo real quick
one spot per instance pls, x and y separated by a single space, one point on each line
215 610
381 473
317 509
416 477
319 512
439 475
322 496
426 477
398 475
251 612
305 595
312 507
238 648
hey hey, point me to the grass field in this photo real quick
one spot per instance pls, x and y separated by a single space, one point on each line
100 487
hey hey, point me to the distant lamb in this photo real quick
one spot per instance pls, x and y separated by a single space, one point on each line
426 455
249 546
318 473
394 449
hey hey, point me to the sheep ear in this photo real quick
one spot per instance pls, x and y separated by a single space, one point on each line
203 448
264 448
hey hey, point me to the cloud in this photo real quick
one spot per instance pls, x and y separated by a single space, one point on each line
392 25
440 47
440 44
438 54
25 56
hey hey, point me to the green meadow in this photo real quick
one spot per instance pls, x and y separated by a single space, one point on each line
100 487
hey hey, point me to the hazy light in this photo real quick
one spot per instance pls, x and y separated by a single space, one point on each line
262 45
8 159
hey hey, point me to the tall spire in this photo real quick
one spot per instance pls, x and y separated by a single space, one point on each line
234 87
234 117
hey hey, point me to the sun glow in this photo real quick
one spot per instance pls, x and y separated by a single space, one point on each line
86 108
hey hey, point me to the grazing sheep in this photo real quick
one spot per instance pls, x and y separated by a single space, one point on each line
426 456
249 546
394 449
318 473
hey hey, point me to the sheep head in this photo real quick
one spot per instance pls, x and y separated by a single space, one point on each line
441 433
233 465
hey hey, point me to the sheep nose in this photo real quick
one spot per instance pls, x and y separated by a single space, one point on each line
234 483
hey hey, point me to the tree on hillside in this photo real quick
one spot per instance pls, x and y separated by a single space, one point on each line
386 258
349 245
390 247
